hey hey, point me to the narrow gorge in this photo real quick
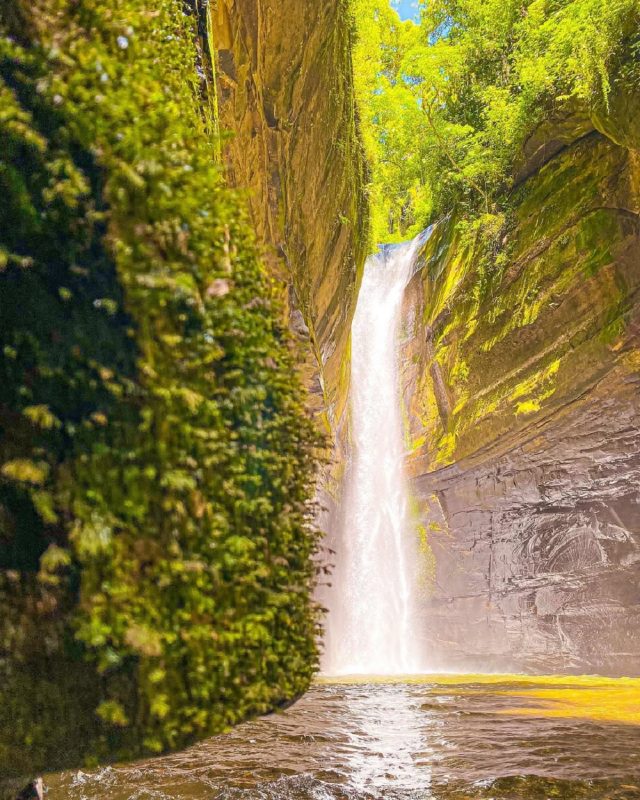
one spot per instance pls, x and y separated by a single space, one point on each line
519 374
320 399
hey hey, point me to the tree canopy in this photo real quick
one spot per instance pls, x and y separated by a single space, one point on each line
448 103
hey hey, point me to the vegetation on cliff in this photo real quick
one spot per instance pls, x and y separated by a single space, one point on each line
448 104
156 460
305 180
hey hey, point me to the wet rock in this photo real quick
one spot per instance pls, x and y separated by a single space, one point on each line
549 139
528 486
619 117
296 150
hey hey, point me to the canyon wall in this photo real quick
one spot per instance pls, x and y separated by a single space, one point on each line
521 378
286 104
157 462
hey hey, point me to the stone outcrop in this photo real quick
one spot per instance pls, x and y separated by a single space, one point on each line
285 91
145 383
521 378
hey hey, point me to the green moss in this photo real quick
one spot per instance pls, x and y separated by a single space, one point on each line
155 545
532 392
525 322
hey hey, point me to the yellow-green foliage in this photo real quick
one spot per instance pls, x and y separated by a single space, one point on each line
157 462
392 121
447 104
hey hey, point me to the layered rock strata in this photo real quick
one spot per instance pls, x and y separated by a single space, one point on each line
521 378
286 104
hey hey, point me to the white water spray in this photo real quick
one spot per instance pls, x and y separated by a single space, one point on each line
371 624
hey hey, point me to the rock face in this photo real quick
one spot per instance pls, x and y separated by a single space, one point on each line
521 378
285 90
157 462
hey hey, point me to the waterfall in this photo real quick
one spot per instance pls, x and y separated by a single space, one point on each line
371 627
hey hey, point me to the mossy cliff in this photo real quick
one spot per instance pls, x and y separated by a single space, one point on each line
521 376
156 460
285 94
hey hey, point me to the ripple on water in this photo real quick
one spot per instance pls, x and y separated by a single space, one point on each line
419 740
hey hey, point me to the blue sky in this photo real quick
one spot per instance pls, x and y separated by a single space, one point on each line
408 9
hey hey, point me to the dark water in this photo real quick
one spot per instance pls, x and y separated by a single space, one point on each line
398 741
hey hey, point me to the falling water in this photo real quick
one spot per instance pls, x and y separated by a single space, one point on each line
371 624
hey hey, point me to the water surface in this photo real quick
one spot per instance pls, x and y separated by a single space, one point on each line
451 738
